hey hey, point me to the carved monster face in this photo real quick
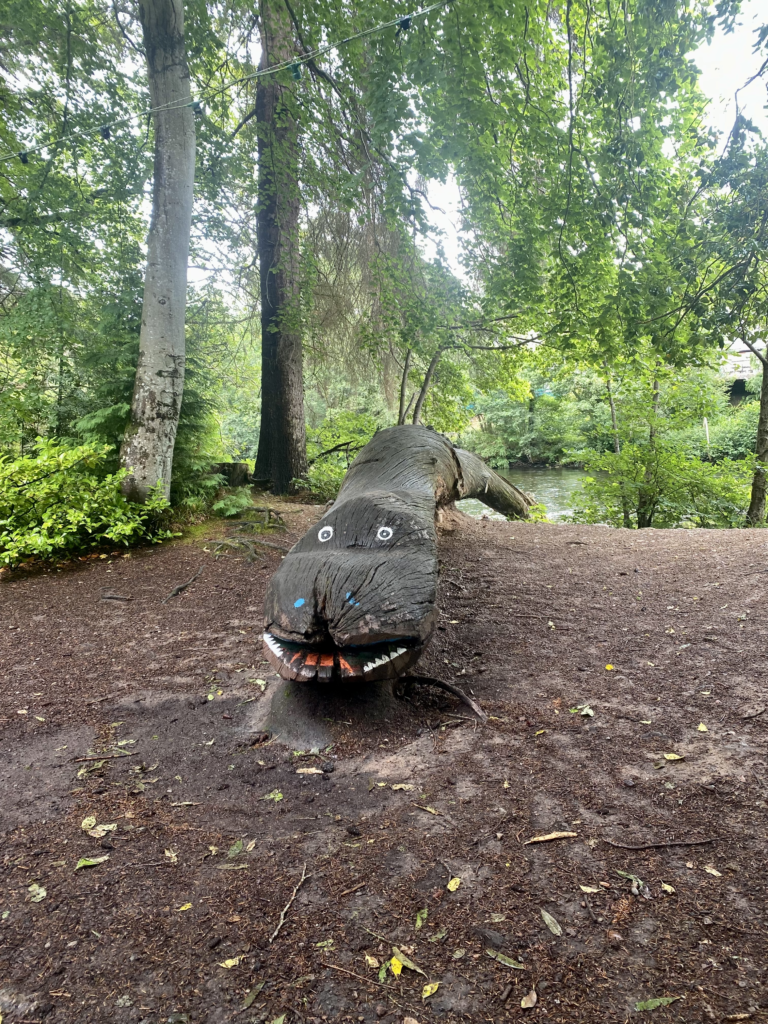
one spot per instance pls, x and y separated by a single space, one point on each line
355 598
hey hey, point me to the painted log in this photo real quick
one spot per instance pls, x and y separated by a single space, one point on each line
355 597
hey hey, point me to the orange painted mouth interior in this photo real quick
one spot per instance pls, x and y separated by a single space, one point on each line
384 660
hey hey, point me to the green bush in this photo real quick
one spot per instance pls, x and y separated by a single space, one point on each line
54 504
663 486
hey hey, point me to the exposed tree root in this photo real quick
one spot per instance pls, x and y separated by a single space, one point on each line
450 688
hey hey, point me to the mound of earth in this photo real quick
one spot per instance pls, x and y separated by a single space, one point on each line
257 851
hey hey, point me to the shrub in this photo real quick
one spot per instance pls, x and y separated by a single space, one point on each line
55 504
663 486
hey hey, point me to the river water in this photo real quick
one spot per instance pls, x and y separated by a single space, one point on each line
553 488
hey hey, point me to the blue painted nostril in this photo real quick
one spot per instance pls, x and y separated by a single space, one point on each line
299 603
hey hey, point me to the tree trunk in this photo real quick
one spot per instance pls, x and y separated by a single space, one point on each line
403 411
617 448
147 448
425 386
282 454
647 498
756 513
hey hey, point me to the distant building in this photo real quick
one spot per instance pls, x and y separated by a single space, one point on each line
739 363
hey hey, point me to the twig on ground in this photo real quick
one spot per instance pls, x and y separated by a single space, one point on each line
450 688
287 906
655 846
182 586
107 595
368 981
104 757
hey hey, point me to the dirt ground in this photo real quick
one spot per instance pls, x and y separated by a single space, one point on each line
224 788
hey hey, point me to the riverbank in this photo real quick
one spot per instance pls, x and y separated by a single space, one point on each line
152 714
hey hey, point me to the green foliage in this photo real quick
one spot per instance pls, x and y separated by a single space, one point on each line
331 449
663 486
232 502
54 504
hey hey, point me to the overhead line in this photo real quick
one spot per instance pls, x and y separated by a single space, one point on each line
285 65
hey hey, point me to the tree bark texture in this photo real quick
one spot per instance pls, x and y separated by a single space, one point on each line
756 512
403 410
355 597
147 448
282 454
425 386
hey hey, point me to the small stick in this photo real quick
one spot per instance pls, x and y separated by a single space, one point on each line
181 586
287 906
654 846
104 757
348 891
368 981
441 685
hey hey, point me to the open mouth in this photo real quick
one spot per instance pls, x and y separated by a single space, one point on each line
384 660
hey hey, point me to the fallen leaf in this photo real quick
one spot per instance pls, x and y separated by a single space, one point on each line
551 923
88 823
371 961
232 962
453 885
637 882
529 1001
172 856
324 944
235 849
421 917
278 1020
275 795
429 990
549 836
652 1004
590 888
406 961
309 771
184 906
250 846
426 807
665 887
506 960
402 785
36 893
249 999
712 871
674 757
101 830
406 1020
540 732
496 918
459 954
395 966
439 935
703 728
609 668
91 862
646 721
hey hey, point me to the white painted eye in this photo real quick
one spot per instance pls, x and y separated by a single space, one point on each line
325 534
384 533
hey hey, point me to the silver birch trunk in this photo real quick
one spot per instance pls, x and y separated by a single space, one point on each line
147 449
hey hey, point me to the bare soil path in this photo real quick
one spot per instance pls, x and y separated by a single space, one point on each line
225 786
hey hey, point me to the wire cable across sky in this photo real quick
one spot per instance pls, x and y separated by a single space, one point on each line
403 21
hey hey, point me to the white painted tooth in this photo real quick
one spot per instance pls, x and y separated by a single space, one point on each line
399 651
368 667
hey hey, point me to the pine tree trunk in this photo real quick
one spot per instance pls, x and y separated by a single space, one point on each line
148 444
756 513
282 454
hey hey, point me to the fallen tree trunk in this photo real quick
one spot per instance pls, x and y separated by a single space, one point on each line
355 597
